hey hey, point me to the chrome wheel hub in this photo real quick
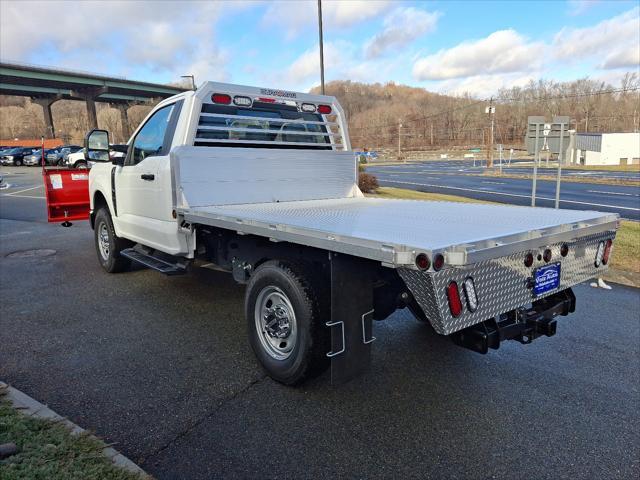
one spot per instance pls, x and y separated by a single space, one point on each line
103 241
275 322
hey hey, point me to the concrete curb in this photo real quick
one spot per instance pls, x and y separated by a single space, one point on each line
30 407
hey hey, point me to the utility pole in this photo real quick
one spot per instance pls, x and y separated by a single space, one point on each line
399 137
432 134
321 46
491 110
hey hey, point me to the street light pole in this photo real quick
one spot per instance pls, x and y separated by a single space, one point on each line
399 136
491 112
321 46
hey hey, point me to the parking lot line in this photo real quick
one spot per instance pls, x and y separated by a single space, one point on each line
13 194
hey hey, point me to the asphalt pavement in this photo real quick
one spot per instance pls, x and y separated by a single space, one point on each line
160 367
462 178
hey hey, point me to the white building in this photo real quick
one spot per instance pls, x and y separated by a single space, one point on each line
604 149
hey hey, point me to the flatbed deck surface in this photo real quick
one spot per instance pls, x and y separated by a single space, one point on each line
407 224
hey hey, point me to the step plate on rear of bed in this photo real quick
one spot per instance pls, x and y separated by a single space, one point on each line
501 284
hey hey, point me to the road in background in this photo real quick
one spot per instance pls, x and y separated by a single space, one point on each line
460 178
161 367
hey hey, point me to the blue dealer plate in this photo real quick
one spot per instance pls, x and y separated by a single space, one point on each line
547 278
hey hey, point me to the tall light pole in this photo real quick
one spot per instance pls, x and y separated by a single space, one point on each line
491 110
321 46
193 81
399 136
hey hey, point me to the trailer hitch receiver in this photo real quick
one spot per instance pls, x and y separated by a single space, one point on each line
522 325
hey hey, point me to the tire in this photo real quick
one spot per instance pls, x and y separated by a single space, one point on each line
301 354
109 257
17 163
80 165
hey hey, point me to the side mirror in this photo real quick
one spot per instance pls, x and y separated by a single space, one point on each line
96 145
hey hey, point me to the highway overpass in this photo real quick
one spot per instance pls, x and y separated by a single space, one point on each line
48 85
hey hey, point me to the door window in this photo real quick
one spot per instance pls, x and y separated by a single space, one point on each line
150 139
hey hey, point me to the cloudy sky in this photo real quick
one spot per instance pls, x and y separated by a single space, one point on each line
443 46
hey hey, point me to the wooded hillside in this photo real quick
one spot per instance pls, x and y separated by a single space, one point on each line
431 120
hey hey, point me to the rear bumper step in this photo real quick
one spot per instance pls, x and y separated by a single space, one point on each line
522 325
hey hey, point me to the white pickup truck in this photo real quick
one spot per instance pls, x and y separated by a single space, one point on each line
262 183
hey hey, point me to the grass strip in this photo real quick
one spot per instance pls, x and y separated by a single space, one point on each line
48 451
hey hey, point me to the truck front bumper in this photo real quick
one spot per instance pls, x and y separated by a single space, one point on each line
502 284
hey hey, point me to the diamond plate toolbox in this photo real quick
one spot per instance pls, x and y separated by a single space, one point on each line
501 283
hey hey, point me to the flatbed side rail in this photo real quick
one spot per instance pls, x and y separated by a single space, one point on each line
402 255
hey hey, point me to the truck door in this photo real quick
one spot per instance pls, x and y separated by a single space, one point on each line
143 184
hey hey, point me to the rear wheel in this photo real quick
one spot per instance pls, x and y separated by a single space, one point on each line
17 163
80 165
285 318
108 245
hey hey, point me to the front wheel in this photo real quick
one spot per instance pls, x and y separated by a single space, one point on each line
17 163
285 315
108 245
80 165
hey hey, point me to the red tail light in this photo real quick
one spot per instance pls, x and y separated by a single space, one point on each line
324 109
438 262
266 100
547 255
564 250
528 259
422 261
607 252
221 98
453 295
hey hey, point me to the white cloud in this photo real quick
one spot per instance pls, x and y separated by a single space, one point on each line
578 7
503 51
401 27
627 57
298 16
307 66
483 86
173 37
612 34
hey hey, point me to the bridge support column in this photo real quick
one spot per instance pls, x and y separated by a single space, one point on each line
46 103
92 116
89 96
124 120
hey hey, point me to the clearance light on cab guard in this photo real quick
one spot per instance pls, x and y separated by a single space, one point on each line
453 295
222 98
308 107
324 109
242 101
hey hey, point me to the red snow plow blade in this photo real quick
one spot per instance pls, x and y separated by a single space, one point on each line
67 192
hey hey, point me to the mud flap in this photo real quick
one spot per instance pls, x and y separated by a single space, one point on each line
351 317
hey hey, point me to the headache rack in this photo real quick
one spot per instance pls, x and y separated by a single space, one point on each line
251 117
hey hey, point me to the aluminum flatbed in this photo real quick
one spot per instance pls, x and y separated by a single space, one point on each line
393 231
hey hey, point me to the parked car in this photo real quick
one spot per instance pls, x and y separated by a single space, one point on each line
78 159
66 151
34 159
54 156
15 156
